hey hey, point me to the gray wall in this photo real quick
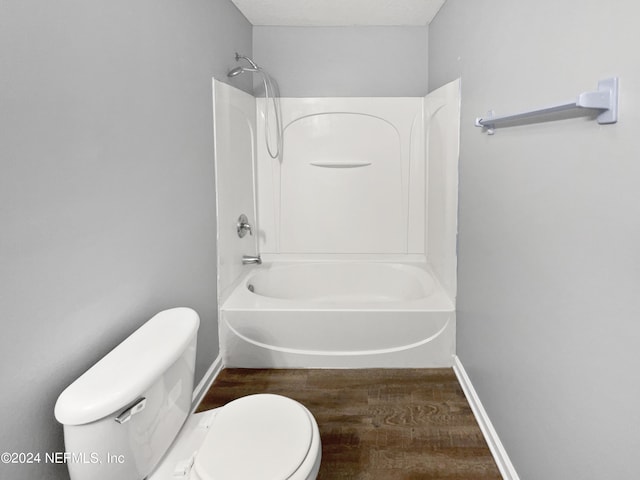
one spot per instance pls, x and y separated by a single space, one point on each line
549 231
344 61
107 205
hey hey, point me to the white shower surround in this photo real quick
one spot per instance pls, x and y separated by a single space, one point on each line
357 229
351 179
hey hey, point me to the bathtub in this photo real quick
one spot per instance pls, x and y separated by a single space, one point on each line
337 315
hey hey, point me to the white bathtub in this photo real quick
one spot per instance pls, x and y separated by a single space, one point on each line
338 314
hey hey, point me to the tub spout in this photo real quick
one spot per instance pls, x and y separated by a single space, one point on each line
248 260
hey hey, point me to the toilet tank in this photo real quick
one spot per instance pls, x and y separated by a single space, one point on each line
122 414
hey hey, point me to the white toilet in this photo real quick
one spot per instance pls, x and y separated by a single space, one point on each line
121 417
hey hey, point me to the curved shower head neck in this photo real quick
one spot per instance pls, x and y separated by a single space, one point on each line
251 62
238 70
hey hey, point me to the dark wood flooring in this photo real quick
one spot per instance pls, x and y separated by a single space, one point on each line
387 424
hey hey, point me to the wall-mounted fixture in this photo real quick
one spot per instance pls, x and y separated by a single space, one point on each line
251 260
271 94
243 226
604 99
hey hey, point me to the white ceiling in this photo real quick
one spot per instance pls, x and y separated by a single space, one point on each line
321 13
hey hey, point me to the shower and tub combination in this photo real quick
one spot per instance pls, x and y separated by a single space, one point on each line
337 221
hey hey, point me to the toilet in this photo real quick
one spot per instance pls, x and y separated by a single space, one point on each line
121 417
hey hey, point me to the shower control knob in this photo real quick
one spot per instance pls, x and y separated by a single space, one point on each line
243 226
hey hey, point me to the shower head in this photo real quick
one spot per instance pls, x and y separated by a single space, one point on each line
238 70
235 72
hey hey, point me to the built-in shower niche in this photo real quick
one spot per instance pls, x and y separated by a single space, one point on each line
356 225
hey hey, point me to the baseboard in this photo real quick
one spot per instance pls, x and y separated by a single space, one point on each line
495 445
206 382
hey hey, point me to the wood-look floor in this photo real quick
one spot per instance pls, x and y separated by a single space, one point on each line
387 424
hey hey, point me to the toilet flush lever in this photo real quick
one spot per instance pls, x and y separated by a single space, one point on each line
130 411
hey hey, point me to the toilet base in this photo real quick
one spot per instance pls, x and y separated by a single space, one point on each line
187 442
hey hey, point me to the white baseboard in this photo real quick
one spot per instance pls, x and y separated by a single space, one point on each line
202 387
495 445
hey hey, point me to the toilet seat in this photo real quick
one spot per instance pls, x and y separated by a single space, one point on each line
261 436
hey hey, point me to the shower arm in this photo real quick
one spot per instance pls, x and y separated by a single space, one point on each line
251 62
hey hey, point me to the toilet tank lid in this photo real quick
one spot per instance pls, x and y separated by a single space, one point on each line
122 375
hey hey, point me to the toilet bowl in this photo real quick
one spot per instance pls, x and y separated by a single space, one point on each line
122 416
260 436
